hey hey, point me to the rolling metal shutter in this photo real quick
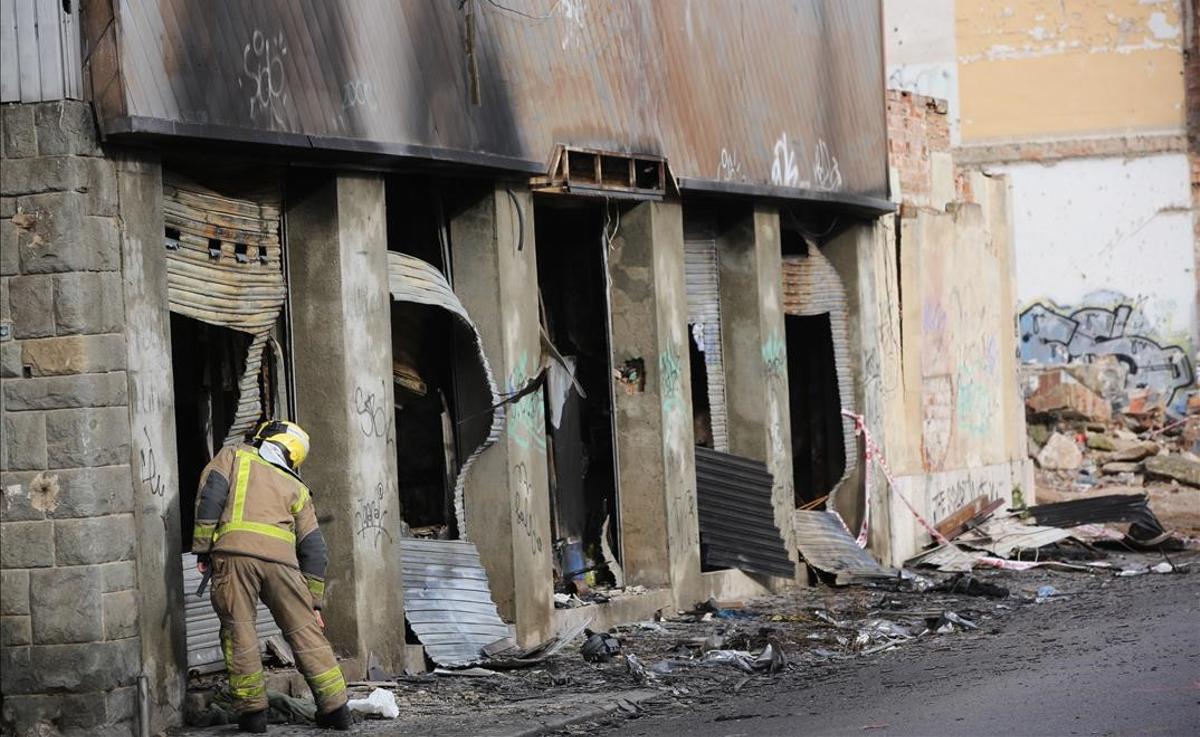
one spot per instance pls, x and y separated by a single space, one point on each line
736 515
704 312
225 267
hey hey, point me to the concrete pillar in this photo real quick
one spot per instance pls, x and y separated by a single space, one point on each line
657 471
341 328
152 420
755 345
507 492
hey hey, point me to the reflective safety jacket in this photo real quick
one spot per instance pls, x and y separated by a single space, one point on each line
249 506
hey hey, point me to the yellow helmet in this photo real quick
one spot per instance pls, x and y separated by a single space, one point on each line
287 435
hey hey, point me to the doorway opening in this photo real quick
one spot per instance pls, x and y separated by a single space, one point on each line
206 362
424 352
818 448
573 285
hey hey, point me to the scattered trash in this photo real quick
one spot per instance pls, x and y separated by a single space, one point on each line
965 583
465 672
949 622
381 703
771 659
1045 593
600 647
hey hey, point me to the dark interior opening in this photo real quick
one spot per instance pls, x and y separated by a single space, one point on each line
818 450
579 448
424 352
206 361
701 409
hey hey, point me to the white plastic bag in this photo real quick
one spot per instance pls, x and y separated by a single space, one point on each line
381 702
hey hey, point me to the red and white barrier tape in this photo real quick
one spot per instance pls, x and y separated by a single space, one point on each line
871 452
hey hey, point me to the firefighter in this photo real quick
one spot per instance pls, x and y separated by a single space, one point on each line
256 534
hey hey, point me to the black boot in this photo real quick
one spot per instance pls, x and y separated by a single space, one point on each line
339 718
253 721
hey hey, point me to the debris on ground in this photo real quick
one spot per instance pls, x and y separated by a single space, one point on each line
380 703
599 647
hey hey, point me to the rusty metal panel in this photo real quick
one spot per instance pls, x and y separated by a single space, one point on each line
783 98
736 515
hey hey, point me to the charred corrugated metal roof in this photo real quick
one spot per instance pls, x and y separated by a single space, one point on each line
783 98
737 518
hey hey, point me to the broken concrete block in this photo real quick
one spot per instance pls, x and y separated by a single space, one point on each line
1039 434
1116 467
1174 467
1060 454
1104 375
1134 452
1098 441
1059 394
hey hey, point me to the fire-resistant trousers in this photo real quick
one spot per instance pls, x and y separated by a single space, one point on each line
237 583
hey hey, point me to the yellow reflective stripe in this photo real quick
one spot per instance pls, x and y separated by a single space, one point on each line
227 649
255 458
315 587
239 489
248 692
295 508
245 681
258 528
328 683
203 531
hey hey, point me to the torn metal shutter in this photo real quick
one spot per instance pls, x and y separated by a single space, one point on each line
826 544
736 515
811 286
704 311
225 267
413 280
447 600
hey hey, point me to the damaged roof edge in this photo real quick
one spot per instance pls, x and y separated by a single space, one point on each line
135 127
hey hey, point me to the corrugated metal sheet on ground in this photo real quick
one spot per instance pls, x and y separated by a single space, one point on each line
947 557
447 600
826 545
203 627
1006 535
736 515
242 287
704 311
413 280
811 286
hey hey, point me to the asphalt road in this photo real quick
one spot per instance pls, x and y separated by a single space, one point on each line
1119 660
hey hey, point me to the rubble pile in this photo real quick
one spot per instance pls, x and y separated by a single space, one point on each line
1089 434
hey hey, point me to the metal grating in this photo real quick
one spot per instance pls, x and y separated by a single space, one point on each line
704 311
447 601
826 544
203 627
737 517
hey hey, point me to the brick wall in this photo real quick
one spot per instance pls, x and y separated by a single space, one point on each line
69 646
919 151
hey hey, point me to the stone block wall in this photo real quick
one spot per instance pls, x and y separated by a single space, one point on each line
70 651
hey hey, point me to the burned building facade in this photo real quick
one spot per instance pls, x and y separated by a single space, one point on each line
585 297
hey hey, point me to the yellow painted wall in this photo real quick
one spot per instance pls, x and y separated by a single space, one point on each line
1033 69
